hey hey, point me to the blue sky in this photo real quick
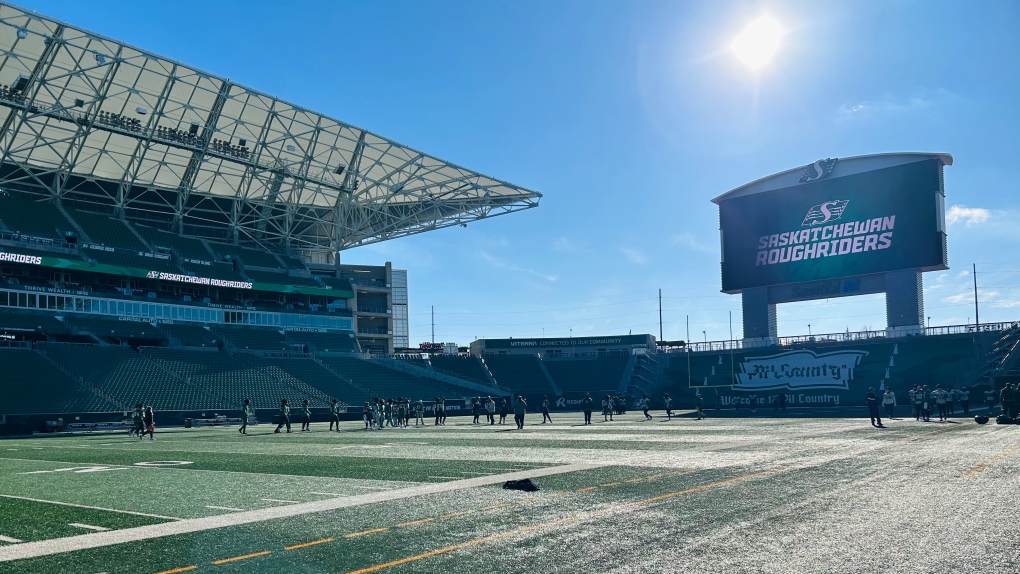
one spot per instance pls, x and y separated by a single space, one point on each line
629 117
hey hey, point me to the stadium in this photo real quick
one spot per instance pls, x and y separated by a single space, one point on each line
169 238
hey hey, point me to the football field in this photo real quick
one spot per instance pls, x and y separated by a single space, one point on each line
718 495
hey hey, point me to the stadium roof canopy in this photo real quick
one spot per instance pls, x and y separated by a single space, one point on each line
87 119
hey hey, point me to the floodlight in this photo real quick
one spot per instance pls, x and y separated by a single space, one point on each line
340 168
20 84
141 111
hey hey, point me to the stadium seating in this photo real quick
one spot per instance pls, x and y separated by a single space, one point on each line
590 374
186 247
30 384
467 368
131 259
232 378
189 334
27 215
389 383
247 256
217 271
293 262
107 230
314 374
131 377
324 342
115 329
261 338
520 373
279 278
35 322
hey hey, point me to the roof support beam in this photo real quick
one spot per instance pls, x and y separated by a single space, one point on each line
197 156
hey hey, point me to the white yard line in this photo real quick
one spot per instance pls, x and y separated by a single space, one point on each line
88 527
9 540
113 537
226 508
282 501
88 507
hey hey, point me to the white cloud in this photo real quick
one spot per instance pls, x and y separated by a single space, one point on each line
510 266
967 215
634 256
892 104
690 242
564 245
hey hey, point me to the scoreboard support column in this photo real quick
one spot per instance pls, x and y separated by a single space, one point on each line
759 314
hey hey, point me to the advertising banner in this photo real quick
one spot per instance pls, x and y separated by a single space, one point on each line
872 222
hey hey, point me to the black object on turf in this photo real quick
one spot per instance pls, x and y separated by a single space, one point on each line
526 485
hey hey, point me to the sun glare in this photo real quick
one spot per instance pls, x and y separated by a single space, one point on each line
758 42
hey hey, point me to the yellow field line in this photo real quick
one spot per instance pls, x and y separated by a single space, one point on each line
456 514
495 506
245 557
635 480
365 532
179 570
586 489
992 461
307 544
611 484
526 529
422 521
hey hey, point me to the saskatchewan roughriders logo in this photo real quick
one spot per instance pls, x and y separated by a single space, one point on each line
825 212
818 170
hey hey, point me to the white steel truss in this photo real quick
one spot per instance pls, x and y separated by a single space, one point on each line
90 120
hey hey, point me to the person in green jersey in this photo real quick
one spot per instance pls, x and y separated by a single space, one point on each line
148 424
504 409
401 411
246 411
136 419
334 414
306 418
388 412
520 409
607 409
366 415
700 405
545 410
379 414
586 404
284 416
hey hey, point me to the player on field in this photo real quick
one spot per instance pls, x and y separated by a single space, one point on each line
366 415
872 401
645 403
699 402
306 414
990 399
136 420
504 409
889 402
545 410
669 406
586 405
149 420
917 399
607 409
441 411
284 416
246 411
965 401
520 409
401 414
334 415
941 402
490 410
419 413
951 397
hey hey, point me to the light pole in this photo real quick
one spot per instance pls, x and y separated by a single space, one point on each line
809 329
705 336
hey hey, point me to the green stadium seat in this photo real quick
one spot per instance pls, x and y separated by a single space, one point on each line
31 384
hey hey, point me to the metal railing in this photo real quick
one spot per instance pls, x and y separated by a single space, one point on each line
838 338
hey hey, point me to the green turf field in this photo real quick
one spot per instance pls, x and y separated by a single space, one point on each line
726 495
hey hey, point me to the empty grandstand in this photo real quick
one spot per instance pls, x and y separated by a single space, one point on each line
32 384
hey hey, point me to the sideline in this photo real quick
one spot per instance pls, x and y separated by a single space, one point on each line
114 537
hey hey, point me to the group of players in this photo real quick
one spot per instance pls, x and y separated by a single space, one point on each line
943 401
143 422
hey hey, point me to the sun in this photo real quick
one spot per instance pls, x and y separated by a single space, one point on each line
759 41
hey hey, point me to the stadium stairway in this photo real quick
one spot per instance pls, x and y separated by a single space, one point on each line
387 382
1000 359
364 392
470 368
601 374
